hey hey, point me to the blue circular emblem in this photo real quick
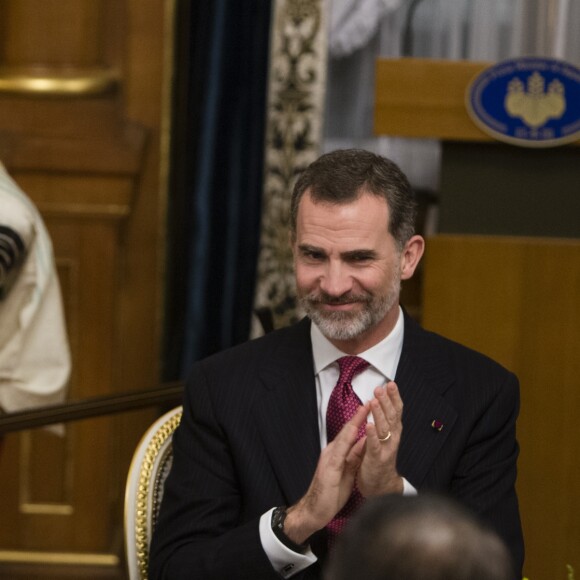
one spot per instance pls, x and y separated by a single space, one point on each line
530 101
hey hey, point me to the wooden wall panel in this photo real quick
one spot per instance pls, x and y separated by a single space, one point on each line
518 301
34 35
82 88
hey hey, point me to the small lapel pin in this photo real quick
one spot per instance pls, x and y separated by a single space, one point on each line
437 425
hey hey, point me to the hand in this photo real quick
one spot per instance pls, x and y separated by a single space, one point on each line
332 483
378 470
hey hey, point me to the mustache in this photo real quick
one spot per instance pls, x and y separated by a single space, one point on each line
324 298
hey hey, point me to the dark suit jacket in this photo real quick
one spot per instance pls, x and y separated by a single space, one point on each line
249 441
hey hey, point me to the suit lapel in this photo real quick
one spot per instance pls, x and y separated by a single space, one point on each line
422 377
286 413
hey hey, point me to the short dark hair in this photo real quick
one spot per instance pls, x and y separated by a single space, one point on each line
343 175
422 537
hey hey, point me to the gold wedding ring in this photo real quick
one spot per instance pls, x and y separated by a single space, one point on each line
388 436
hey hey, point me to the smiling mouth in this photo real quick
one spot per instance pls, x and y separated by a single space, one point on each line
346 303
334 301
338 305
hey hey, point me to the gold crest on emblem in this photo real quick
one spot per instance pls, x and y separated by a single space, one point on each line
536 105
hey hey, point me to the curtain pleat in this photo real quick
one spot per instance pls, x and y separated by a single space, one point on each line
217 176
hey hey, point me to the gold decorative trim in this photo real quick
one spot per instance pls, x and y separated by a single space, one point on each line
293 136
61 84
29 557
144 518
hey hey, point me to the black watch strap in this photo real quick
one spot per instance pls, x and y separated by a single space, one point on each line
278 517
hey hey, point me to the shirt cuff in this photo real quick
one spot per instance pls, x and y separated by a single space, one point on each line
408 489
285 561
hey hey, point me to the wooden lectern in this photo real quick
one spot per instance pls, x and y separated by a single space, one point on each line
425 98
514 295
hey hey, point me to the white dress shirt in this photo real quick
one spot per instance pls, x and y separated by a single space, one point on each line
384 359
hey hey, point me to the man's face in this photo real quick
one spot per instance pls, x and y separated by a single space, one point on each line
348 269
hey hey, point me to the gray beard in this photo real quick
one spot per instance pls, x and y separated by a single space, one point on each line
350 325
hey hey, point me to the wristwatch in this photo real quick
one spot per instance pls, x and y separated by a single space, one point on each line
278 517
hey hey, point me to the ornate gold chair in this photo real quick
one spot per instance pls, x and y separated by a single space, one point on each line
149 468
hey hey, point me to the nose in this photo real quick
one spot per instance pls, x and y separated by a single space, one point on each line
336 281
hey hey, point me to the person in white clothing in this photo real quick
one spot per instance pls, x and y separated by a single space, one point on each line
34 350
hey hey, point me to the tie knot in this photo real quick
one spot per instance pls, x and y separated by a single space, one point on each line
350 366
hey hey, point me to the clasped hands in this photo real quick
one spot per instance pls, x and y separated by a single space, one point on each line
369 462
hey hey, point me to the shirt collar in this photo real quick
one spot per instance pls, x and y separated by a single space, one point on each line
384 356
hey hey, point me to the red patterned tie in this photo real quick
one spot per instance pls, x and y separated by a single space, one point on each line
342 407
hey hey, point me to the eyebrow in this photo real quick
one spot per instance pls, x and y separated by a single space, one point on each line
308 248
360 254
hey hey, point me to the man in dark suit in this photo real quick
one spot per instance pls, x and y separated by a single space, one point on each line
284 436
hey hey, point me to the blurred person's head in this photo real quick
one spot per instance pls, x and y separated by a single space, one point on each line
422 537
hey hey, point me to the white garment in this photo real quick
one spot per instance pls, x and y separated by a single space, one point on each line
34 352
354 22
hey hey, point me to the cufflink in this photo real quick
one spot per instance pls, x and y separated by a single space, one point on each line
437 425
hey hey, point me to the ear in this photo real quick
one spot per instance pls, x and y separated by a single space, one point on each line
411 256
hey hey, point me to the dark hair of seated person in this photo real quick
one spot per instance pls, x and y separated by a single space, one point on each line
422 537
